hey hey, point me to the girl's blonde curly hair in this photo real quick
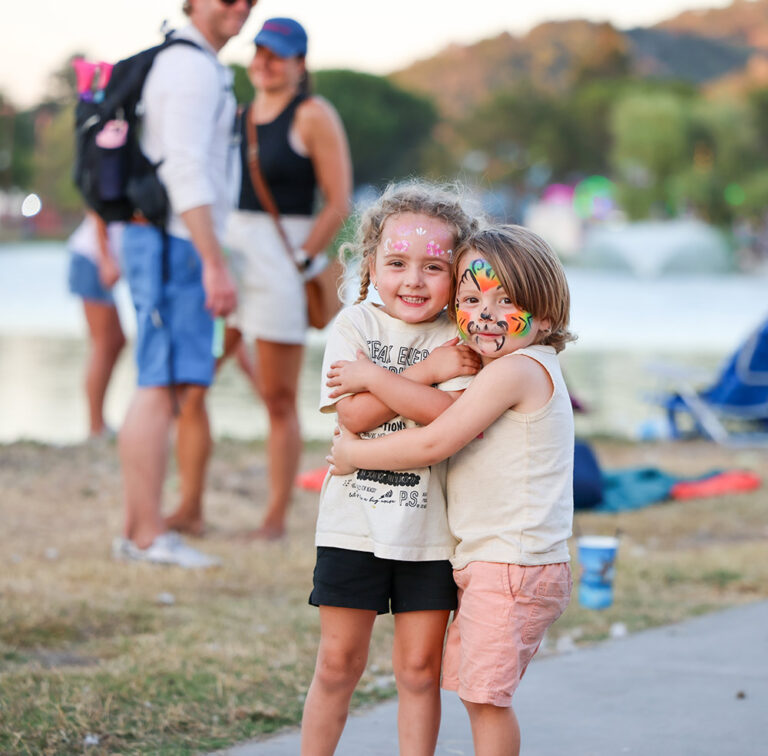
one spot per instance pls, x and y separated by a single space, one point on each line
437 201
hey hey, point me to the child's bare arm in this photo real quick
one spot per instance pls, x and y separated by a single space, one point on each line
362 412
498 387
409 394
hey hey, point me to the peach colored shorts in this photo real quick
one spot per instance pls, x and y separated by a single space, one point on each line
504 610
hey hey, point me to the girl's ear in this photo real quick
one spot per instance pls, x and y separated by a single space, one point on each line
545 325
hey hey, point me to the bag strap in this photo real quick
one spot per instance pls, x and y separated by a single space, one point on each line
260 185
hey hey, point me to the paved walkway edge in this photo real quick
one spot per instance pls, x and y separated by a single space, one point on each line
698 688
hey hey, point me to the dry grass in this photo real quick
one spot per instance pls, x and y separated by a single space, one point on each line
87 647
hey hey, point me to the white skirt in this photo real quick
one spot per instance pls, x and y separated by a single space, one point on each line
271 304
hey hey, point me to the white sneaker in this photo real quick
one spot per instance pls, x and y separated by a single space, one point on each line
120 548
168 548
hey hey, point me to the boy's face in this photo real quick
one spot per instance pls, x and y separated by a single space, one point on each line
489 321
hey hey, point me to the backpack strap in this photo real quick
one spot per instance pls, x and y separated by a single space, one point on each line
129 89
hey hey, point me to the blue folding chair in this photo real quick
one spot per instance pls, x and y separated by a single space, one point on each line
738 398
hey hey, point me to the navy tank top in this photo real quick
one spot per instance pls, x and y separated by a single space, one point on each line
290 176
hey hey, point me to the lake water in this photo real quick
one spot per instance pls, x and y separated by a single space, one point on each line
628 327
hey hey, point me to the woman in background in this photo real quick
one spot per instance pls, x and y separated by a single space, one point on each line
302 149
93 271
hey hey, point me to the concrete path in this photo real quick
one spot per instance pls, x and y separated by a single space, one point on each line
699 688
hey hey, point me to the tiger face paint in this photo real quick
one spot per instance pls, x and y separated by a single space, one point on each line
488 320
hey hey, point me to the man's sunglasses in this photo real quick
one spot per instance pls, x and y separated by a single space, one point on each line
232 2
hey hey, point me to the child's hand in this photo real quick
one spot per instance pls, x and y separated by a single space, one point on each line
350 377
452 359
337 459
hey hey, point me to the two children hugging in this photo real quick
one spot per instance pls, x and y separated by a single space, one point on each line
399 528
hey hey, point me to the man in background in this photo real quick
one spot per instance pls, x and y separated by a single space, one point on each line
179 281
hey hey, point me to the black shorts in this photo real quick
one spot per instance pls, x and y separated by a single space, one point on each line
361 580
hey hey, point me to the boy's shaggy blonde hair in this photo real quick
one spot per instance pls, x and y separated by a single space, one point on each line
414 196
530 273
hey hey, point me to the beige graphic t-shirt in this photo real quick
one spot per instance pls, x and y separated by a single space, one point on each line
394 514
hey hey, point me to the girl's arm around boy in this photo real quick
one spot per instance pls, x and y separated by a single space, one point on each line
505 383
377 391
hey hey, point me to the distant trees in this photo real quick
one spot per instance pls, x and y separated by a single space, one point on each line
650 140
242 84
673 153
52 162
668 146
389 129
17 141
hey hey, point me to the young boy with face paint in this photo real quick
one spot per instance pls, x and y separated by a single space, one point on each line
510 475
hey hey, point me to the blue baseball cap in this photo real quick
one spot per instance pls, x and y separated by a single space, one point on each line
284 36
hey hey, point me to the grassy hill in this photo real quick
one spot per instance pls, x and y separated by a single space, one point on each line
742 22
723 48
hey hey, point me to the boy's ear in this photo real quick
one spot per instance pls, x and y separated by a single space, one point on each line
545 325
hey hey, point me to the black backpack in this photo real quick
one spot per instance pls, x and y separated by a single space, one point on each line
114 176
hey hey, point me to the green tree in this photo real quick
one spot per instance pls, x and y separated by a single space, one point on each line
650 147
62 83
724 150
515 130
23 149
589 109
53 159
7 139
242 86
389 129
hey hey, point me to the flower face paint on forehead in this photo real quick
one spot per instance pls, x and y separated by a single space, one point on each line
391 247
404 233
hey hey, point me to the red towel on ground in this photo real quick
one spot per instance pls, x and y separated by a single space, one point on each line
730 481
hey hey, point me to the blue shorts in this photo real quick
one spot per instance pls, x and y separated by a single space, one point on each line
174 331
84 280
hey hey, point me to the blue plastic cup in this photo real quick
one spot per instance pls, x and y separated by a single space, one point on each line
597 557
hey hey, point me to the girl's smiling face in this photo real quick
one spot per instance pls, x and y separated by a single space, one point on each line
412 267
488 320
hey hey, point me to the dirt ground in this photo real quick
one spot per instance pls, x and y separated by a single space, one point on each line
132 658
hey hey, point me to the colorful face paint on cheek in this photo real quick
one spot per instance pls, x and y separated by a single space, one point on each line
462 322
519 323
484 274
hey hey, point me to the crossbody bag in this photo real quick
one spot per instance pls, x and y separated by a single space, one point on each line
322 290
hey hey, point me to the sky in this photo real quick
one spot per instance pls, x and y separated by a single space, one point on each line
39 35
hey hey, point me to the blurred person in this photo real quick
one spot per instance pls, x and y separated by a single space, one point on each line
302 148
179 280
94 248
